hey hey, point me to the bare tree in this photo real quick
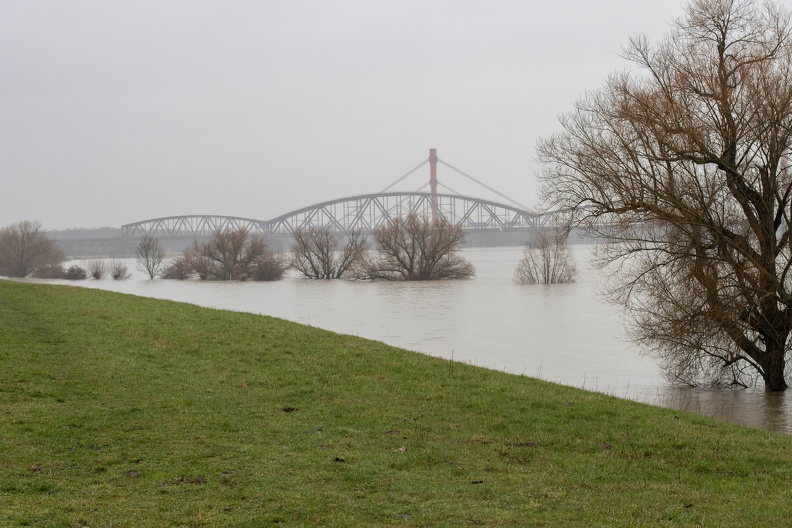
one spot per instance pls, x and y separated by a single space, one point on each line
317 253
234 255
26 249
548 260
682 164
416 248
96 268
197 263
150 256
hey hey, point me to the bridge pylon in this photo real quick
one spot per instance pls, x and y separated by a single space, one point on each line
433 180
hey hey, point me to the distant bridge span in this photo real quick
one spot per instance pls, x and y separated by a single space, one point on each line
366 212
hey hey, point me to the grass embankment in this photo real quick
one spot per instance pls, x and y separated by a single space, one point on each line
124 411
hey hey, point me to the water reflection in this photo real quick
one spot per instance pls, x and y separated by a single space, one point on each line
561 333
771 411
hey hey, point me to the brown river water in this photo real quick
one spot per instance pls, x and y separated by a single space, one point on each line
562 333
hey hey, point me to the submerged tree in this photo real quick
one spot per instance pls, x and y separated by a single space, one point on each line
317 253
547 261
416 248
150 256
234 255
682 165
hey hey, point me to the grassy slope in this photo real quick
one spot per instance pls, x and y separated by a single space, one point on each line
123 411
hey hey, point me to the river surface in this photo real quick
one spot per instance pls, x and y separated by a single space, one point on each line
562 333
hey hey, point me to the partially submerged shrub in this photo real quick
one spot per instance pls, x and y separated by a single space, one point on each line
55 271
177 269
96 268
75 272
119 270
547 261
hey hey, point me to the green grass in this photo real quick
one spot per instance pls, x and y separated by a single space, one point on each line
117 410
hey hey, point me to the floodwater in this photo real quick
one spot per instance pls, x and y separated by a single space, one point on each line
562 333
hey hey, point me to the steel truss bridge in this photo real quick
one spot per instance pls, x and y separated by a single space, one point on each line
365 212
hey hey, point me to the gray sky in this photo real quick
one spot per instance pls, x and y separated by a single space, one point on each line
113 112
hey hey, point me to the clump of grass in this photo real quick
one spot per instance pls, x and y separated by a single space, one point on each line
125 411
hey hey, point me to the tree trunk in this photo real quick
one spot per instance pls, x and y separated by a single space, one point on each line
774 371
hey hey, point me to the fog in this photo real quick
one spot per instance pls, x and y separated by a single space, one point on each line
115 112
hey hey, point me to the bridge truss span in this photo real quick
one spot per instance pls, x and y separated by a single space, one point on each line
366 212
188 226
370 211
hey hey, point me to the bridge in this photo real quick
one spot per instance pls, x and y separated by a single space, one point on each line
366 212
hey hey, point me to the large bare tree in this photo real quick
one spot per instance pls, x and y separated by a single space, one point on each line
234 255
150 256
682 162
417 248
317 253
25 248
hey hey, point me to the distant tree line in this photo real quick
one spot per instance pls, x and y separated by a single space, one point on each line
413 248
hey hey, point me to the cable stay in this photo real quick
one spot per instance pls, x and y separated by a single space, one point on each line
386 189
471 178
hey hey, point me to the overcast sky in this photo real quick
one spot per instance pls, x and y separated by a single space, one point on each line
113 112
